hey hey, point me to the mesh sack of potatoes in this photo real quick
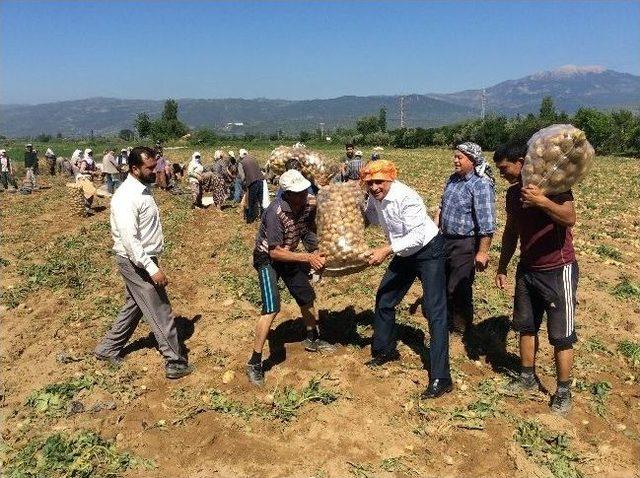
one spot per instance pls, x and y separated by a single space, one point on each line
76 201
340 222
314 166
557 158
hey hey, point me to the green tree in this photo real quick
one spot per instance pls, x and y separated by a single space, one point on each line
596 125
304 136
382 119
548 113
168 126
143 125
126 135
368 125
170 111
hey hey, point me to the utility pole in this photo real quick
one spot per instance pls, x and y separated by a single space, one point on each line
484 103
402 111
322 130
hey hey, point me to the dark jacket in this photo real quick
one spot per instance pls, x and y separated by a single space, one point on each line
252 172
30 159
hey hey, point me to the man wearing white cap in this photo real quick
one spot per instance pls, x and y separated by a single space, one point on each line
287 222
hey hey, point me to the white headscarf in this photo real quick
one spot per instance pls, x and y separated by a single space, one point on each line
76 156
243 153
195 167
218 154
87 156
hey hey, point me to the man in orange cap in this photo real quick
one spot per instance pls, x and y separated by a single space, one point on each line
418 250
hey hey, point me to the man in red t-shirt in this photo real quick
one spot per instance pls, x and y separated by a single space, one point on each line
546 276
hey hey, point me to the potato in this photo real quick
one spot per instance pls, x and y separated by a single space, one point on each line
341 225
557 157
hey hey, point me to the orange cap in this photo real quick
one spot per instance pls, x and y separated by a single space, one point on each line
383 169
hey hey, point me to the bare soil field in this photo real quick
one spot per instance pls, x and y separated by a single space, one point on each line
65 414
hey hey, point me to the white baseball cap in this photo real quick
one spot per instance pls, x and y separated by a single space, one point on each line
293 181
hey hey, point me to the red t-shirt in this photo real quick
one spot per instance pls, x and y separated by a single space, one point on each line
544 244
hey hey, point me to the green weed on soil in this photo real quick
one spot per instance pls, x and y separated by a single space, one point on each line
548 449
82 455
52 400
631 351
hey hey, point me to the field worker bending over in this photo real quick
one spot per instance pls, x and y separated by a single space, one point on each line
289 220
138 241
194 173
467 219
547 274
418 250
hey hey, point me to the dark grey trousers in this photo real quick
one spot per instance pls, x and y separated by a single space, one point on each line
143 298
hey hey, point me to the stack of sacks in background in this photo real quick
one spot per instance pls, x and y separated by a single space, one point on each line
557 158
341 225
315 167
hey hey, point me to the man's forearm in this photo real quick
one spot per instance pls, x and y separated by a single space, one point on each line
280 254
485 244
562 214
507 249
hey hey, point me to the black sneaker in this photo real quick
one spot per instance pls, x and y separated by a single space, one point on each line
310 345
318 345
255 373
380 360
177 370
522 384
437 387
115 360
561 402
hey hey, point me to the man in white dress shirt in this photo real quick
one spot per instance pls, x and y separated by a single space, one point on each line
418 251
138 240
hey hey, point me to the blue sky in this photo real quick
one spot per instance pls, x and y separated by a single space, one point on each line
53 51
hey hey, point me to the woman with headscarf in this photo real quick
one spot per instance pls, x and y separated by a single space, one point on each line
160 169
87 165
467 219
194 174
214 181
51 161
86 169
76 158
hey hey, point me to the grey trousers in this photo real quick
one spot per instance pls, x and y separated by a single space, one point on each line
143 298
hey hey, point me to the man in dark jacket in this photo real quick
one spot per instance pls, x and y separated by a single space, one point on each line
252 182
31 165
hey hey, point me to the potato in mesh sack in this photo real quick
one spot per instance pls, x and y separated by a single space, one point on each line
340 222
76 202
313 165
557 158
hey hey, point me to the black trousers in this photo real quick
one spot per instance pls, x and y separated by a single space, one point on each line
460 265
427 265
254 202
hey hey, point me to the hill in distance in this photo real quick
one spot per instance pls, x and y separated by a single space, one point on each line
571 87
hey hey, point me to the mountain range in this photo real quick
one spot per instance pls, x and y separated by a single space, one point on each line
571 87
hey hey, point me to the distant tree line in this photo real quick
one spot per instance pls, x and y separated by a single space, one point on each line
613 132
